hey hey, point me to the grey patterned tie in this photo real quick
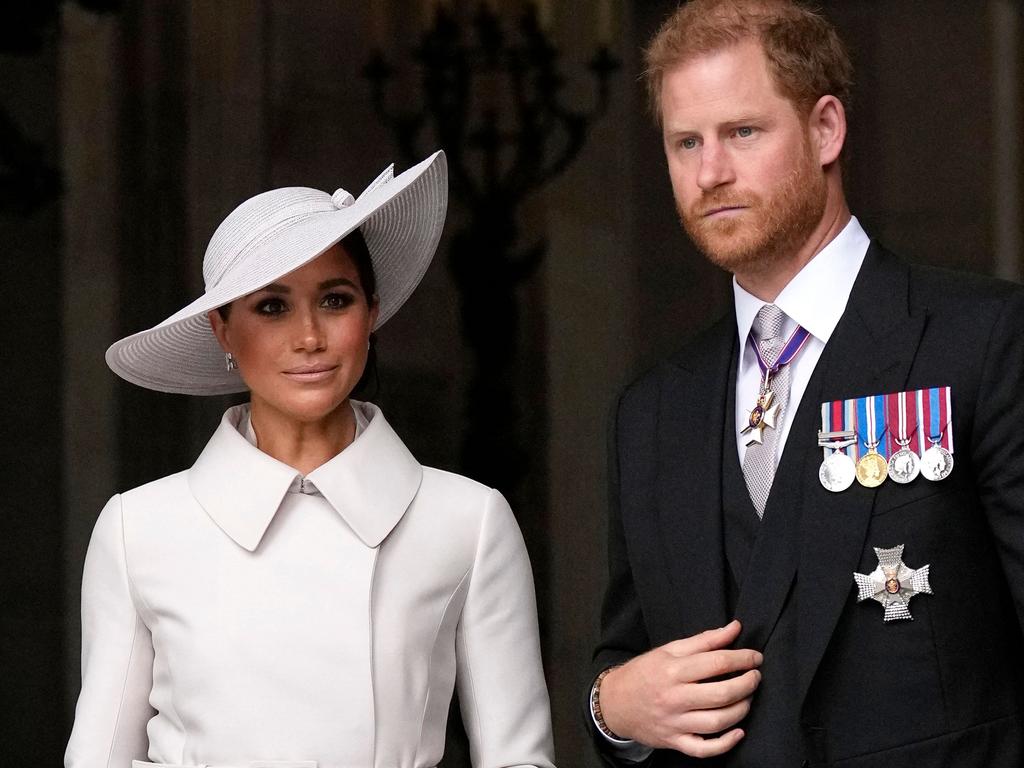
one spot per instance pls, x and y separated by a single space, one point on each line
759 459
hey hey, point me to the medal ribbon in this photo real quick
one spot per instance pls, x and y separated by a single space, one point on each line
919 418
789 351
834 419
897 413
871 416
935 407
841 416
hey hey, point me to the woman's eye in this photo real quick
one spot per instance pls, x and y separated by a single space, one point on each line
271 307
688 143
337 300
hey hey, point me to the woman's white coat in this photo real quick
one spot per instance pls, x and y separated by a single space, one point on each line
235 614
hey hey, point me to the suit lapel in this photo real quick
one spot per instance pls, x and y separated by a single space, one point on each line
870 352
691 410
773 562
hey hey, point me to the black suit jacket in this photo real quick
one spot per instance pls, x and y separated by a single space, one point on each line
941 690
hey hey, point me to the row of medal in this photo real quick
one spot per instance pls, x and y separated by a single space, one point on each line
899 437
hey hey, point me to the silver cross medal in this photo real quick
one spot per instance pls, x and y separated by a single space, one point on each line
764 414
892 583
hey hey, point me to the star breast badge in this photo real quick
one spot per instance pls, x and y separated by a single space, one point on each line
892 583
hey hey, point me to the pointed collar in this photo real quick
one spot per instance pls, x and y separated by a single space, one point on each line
370 484
817 296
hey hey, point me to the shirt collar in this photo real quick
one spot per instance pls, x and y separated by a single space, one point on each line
370 484
816 297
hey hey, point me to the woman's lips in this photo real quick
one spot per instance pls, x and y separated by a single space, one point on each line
310 373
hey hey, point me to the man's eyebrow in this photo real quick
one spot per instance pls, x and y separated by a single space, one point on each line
744 120
733 122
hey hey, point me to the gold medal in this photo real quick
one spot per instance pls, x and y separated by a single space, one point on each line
872 468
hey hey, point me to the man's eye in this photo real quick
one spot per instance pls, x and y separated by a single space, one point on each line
337 300
745 132
270 307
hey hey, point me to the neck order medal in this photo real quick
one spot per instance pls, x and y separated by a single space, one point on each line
766 413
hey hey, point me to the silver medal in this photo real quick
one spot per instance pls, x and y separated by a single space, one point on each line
837 472
936 463
904 466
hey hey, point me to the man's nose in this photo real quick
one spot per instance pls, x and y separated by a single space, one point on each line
715 167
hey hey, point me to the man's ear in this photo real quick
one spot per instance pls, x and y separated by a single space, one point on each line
220 329
827 127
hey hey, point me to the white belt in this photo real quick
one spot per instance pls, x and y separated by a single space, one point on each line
253 764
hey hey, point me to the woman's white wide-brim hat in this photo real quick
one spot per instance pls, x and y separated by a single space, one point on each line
273 234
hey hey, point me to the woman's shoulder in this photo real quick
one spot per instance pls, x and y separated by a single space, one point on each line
462 515
167 488
456 486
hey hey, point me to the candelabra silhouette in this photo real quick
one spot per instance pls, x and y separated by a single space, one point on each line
490 97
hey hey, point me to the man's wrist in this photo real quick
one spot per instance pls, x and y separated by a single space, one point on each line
595 706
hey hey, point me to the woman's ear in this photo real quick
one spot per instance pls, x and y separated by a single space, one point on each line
827 124
220 328
374 311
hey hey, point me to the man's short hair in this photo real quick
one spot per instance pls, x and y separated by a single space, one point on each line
805 55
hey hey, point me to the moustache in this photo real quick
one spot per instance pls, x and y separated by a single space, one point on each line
711 203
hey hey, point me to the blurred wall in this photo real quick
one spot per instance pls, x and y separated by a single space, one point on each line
165 115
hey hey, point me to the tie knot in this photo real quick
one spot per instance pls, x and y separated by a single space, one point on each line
768 323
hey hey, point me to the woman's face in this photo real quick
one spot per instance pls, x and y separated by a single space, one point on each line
301 342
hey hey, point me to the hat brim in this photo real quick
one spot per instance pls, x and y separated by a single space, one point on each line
401 219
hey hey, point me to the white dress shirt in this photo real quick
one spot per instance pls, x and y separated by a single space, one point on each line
815 299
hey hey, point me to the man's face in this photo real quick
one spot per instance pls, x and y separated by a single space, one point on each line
748 185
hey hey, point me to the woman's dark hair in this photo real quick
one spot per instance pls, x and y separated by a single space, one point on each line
355 246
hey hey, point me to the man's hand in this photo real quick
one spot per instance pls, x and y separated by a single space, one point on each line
659 698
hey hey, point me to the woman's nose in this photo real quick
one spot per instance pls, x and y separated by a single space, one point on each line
309 335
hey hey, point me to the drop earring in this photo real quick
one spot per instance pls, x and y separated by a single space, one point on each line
229 362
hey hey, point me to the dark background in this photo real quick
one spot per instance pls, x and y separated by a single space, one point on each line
130 129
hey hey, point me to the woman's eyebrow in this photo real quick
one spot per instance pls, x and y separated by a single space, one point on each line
332 283
275 288
336 281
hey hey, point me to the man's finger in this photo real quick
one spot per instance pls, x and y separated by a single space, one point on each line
714 720
714 664
709 640
698 746
721 693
